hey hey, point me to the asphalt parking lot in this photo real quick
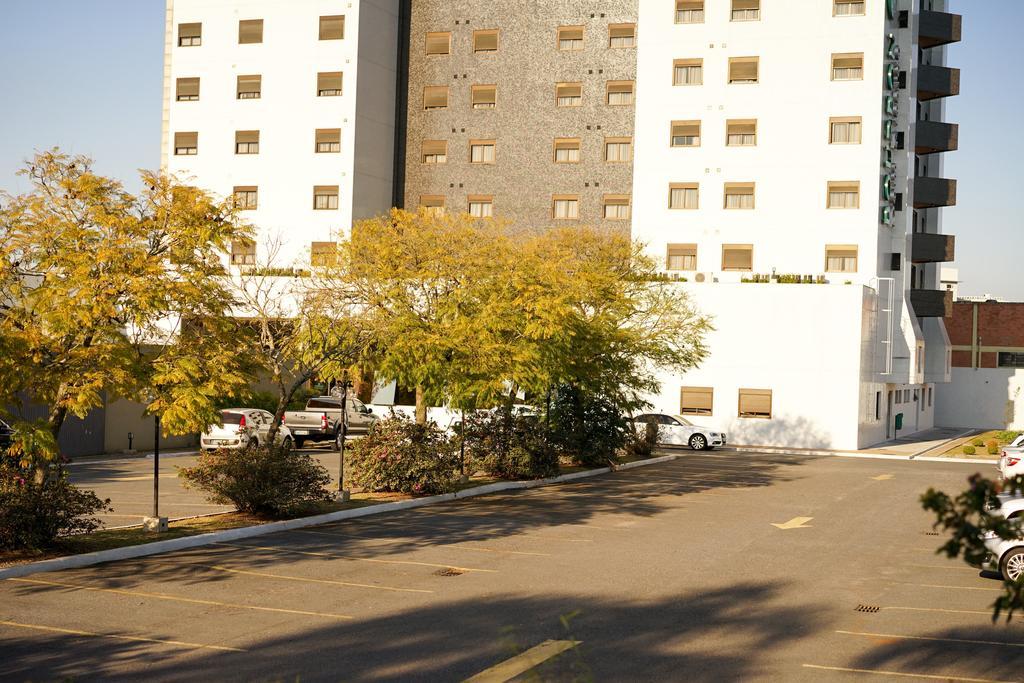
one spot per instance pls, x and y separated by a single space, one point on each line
670 572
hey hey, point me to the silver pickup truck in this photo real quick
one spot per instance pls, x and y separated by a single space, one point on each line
321 420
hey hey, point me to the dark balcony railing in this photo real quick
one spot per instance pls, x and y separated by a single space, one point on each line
935 136
937 81
927 247
938 28
930 193
931 303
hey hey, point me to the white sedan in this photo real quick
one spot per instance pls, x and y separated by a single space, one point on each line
1007 557
242 428
675 430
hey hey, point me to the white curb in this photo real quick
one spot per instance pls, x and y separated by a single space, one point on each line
870 456
159 547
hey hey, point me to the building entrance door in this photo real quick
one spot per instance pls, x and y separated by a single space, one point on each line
888 418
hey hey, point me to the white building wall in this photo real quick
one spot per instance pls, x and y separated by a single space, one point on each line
983 397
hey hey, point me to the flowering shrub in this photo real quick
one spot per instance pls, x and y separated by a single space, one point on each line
401 456
509 446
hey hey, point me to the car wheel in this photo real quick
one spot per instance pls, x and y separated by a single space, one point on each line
698 442
287 443
1013 564
337 441
253 443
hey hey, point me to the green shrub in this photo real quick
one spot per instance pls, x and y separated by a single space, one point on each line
589 429
1006 436
969 450
978 442
991 444
509 446
401 456
993 449
642 440
269 482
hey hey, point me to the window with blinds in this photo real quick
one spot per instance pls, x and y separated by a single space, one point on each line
621 35
186 144
844 130
681 257
249 87
739 195
569 94
481 206
756 403
247 142
570 38
323 254
685 134
325 197
484 96
683 196
567 150
439 43
190 35
187 90
485 41
328 140
328 84
435 97
434 152
618 150
746 10
432 204
737 257
481 151
743 69
847 8
696 400
741 132
246 197
843 194
689 11
332 27
250 31
620 93
565 207
841 258
848 66
1008 359
616 207
243 253
688 72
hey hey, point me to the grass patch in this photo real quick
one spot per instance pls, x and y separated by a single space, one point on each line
1000 436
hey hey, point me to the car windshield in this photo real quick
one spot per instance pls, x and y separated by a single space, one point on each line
229 418
682 420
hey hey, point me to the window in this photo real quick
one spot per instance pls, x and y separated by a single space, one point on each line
737 257
187 90
841 258
328 140
325 197
696 400
243 253
689 11
1007 359
848 66
565 207
246 197
434 152
186 144
616 207
332 27
878 405
741 132
481 206
685 134
190 35
484 96
844 130
567 150
250 31
485 41
684 196
432 204
843 194
746 10
739 195
681 257
621 35
435 97
620 93
688 72
618 150
247 142
847 8
481 151
756 403
570 38
929 397
569 94
328 84
743 69
250 87
439 43
323 254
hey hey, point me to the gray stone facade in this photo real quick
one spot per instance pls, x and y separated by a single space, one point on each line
525 120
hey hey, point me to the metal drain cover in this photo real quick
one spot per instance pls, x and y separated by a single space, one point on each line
930 533
870 609
448 572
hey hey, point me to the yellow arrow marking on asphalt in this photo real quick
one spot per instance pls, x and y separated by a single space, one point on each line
795 523
882 477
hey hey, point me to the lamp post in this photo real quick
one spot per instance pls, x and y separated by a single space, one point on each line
156 522
343 494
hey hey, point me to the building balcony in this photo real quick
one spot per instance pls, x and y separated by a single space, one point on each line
937 81
927 247
935 136
931 193
938 28
931 303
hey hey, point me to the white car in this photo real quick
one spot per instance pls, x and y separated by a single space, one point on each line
1011 459
243 428
1007 557
675 430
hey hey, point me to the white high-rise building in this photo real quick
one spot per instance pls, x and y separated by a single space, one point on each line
779 142
289 106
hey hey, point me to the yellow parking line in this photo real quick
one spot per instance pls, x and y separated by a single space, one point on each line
163 596
138 639
901 674
303 579
960 567
494 550
523 662
967 641
390 541
945 610
936 585
356 559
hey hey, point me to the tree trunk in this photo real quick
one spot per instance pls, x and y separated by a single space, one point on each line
275 425
421 406
55 420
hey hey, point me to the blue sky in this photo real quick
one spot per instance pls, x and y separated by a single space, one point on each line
86 75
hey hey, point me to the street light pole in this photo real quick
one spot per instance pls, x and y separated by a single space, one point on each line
343 495
156 467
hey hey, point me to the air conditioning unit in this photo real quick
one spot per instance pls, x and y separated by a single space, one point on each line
704 277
